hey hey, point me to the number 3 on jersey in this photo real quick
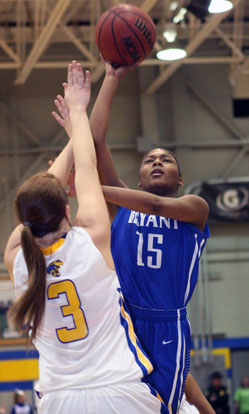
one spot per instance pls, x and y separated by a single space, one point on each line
72 308
151 262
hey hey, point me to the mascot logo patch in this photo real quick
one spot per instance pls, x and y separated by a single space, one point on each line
53 268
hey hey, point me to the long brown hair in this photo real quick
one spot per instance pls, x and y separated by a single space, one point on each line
40 206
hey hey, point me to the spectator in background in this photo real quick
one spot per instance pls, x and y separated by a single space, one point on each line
20 405
241 397
217 394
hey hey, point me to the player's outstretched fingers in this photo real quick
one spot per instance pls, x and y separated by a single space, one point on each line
87 81
74 72
58 119
80 75
62 109
70 75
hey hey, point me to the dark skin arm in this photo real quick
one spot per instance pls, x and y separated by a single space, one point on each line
189 208
99 122
195 396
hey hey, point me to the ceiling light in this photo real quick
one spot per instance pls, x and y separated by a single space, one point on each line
219 6
173 5
172 53
180 15
170 32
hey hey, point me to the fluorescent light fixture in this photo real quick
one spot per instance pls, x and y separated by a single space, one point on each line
173 5
220 6
170 32
180 15
171 54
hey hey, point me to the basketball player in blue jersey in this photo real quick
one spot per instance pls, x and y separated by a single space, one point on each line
157 240
68 293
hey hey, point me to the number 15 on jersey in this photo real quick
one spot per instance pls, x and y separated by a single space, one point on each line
153 255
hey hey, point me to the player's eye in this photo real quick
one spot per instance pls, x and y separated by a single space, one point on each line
148 160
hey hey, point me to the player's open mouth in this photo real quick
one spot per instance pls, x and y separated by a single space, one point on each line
156 173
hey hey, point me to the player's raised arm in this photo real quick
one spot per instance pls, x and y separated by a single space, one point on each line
61 170
92 212
99 122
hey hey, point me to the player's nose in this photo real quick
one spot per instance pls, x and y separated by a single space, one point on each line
157 161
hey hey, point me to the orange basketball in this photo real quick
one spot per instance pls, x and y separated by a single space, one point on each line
125 35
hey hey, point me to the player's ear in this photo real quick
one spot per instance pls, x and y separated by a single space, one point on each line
139 184
180 182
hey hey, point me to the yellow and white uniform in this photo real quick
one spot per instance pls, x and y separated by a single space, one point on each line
86 340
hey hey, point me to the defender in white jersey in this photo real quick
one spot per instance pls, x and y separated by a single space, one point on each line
68 293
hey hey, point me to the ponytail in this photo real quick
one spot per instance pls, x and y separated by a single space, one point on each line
29 309
40 206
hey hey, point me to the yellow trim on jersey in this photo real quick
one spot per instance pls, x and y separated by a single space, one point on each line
159 397
51 249
19 370
142 358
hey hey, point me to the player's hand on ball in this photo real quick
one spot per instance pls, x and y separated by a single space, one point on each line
117 73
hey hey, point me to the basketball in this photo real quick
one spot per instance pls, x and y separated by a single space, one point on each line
125 35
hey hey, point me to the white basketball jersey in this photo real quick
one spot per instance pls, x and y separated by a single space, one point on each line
86 338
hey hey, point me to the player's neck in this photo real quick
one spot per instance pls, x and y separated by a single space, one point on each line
162 192
52 238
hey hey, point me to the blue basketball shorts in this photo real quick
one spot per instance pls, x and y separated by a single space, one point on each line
165 336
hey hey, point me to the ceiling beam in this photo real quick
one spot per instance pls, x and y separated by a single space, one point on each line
98 72
245 66
37 13
238 25
82 48
208 28
147 5
61 64
228 42
235 161
20 34
30 170
237 35
9 112
9 51
226 122
195 61
42 40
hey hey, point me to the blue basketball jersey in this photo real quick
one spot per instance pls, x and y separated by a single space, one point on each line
156 258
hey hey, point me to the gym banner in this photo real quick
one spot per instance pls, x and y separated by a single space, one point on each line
228 199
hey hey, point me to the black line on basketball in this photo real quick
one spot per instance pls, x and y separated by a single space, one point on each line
123 20
152 28
113 36
140 16
100 29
